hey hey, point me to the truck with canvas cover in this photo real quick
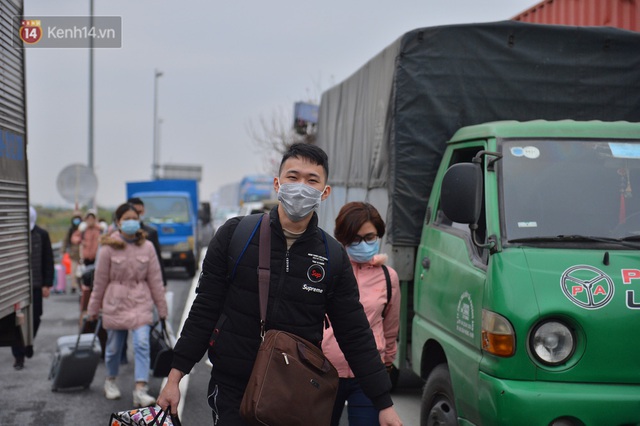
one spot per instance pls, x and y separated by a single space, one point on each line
171 207
15 284
504 157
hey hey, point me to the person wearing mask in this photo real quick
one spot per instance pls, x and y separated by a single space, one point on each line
42 275
359 228
152 233
71 246
229 304
126 286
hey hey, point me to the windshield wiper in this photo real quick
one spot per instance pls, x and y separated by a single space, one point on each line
627 241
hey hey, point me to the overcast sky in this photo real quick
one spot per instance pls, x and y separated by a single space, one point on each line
225 65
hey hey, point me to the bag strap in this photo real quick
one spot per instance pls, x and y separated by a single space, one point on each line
242 236
165 333
159 422
264 260
388 279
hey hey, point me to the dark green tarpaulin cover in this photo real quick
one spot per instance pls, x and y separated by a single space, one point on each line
385 127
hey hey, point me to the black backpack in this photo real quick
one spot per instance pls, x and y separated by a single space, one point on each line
249 225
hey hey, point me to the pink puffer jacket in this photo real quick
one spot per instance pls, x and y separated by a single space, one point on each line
373 296
127 284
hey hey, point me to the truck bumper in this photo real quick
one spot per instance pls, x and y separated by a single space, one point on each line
177 258
511 402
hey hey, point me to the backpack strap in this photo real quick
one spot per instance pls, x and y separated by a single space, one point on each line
388 279
242 236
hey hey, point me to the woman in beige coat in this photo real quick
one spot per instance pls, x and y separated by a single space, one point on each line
127 284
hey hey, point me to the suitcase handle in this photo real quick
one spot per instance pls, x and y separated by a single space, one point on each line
85 319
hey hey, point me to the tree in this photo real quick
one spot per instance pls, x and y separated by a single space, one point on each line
274 135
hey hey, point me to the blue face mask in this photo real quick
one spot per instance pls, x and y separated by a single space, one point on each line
76 221
130 227
363 251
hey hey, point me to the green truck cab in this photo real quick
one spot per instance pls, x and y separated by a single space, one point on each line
528 279
530 315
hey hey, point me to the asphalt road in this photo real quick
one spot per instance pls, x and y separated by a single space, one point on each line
26 398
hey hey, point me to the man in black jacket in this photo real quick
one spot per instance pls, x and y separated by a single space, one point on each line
225 319
152 234
42 273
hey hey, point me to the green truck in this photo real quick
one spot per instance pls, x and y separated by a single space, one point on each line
504 157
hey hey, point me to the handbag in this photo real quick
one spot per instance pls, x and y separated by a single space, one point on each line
146 416
292 383
160 349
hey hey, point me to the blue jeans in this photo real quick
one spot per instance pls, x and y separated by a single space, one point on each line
360 408
113 353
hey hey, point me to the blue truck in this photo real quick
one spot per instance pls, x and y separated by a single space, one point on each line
255 188
171 207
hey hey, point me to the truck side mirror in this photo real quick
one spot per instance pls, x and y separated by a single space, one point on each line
461 193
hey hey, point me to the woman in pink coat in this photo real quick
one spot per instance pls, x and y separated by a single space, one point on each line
359 228
127 284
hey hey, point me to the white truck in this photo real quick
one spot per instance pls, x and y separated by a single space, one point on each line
15 283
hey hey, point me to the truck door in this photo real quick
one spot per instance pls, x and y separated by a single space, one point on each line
450 282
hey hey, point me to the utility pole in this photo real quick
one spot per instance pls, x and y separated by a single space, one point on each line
156 154
90 150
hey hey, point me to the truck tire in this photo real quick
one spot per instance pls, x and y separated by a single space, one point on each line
438 403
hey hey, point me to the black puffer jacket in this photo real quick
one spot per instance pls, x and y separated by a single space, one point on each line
42 265
297 304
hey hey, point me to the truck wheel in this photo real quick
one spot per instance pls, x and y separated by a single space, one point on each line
438 407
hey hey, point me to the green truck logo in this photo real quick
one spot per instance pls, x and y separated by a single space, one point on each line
587 287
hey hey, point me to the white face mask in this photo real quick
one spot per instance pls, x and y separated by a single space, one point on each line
298 200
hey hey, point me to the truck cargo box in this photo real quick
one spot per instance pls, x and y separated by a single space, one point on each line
385 127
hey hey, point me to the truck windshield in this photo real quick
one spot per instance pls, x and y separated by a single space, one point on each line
166 209
584 189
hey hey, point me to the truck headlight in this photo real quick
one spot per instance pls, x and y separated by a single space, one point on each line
552 342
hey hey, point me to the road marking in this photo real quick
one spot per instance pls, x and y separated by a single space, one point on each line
184 383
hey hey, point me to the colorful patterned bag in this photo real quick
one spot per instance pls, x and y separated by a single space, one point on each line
146 416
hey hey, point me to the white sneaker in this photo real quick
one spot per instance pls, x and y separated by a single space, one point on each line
111 390
141 397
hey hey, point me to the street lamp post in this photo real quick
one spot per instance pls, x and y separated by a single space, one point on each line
156 164
90 148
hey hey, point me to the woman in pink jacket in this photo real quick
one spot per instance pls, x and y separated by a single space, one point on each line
359 228
127 284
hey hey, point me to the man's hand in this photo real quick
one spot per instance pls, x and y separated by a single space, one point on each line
170 394
389 417
46 292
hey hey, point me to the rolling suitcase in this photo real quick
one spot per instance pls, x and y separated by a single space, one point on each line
61 279
75 361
